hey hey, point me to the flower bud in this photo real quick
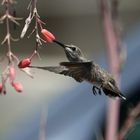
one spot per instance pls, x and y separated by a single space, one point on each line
17 86
48 36
1 87
12 73
24 63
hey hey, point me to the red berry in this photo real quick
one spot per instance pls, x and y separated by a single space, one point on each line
48 36
17 86
1 87
12 73
24 63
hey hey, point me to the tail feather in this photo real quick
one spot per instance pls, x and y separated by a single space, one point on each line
111 93
122 96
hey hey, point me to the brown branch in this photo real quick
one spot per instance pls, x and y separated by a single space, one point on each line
9 72
8 31
38 24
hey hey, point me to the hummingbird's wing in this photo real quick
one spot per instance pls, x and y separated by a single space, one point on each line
55 69
80 71
77 70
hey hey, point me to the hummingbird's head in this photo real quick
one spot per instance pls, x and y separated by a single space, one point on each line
73 53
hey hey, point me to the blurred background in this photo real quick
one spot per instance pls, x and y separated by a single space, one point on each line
54 107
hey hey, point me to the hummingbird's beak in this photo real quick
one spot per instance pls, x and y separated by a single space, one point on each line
60 44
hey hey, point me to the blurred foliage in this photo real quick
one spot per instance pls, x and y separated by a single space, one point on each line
134 131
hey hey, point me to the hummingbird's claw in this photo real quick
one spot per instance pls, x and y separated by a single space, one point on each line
94 90
99 91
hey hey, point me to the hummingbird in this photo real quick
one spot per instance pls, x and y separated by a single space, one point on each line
74 54
82 69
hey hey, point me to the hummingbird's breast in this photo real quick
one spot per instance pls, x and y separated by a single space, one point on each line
96 81
97 75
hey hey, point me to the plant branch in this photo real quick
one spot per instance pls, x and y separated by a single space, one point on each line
8 31
114 66
9 72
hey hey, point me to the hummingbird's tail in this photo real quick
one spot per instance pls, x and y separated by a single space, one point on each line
122 96
112 93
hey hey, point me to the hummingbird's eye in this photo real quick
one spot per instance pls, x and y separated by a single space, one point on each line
74 49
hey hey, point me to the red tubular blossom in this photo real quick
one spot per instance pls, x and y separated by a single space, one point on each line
12 73
1 87
17 86
24 63
47 35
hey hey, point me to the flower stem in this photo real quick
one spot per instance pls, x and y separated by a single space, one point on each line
8 31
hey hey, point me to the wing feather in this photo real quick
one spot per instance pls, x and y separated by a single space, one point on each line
78 70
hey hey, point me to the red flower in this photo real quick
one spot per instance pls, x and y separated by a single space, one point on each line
1 87
24 63
12 73
17 86
48 36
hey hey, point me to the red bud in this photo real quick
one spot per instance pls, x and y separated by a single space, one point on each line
1 87
48 36
17 86
24 63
